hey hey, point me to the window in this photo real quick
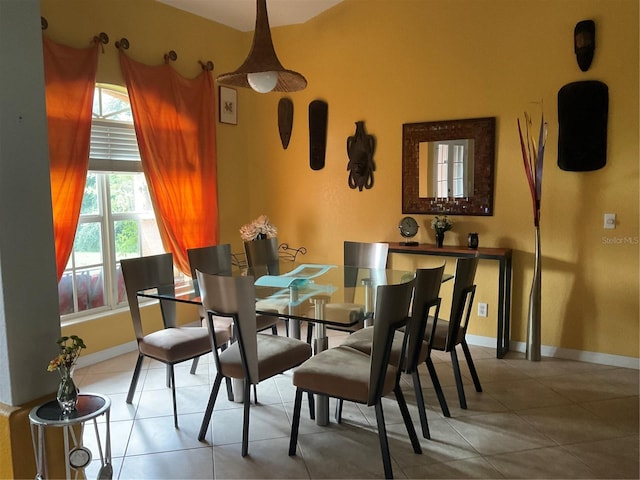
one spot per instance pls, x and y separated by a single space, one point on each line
116 218
450 168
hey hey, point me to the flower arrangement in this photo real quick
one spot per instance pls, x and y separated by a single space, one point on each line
258 228
533 156
441 224
69 353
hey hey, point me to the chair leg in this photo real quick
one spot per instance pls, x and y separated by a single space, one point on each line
168 376
173 396
402 403
286 326
312 406
420 403
437 387
339 403
134 380
458 376
229 389
274 330
310 332
472 367
384 441
295 423
245 421
212 401
255 394
194 365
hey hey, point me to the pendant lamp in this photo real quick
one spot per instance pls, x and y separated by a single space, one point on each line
262 71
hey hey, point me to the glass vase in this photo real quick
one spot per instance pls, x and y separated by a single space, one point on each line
67 391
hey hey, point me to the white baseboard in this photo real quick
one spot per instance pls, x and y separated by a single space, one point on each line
102 355
566 353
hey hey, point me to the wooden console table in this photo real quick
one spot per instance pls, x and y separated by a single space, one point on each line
502 255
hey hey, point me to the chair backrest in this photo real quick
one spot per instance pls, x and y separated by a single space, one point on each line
262 256
214 260
462 299
234 296
392 310
426 303
362 255
154 271
366 255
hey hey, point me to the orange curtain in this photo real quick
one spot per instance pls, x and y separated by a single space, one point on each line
70 76
174 119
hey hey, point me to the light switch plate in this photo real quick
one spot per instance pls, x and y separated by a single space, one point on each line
609 220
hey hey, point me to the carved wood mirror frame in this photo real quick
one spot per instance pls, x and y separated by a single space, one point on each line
482 132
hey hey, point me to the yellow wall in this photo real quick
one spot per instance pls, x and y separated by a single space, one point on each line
394 62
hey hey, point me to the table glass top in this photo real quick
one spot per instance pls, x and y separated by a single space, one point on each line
293 293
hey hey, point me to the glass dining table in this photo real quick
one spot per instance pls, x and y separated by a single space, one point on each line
301 293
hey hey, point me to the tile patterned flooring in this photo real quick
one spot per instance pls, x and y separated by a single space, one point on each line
549 419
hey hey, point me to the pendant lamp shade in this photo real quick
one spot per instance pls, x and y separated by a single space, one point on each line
262 70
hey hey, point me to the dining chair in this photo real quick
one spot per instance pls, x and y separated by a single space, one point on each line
362 255
345 373
425 305
217 260
448 334
172 344
254 357
263 259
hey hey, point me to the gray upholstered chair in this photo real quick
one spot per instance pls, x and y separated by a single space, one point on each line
263 259
262 256
346 373
426 304
254 356
216 260
362 255
172 344
448 334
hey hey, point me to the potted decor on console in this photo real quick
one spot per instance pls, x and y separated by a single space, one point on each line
64 363
258 229
441 224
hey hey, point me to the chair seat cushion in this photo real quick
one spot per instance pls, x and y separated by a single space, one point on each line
173 345
276 354
362 339
341 372
265 321
440 336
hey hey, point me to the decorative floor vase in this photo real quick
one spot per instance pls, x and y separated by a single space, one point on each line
67 391
439 239
535 306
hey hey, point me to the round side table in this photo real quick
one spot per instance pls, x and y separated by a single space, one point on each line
77 457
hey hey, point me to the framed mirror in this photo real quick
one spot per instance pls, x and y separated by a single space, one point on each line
448 166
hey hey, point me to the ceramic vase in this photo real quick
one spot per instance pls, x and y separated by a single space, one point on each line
67 391
439 239
535 305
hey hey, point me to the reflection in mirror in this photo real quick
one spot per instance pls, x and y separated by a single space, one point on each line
447 167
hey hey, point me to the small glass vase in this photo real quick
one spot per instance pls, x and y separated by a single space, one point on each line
439 239
67 391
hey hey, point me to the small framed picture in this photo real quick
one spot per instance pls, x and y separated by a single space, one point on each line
228 105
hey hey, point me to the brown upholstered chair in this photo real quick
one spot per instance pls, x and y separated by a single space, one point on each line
346 373
172 344
263 259
216 260
254 356
426 304
363 255
448 334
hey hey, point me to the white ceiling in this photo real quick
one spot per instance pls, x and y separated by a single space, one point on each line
241 14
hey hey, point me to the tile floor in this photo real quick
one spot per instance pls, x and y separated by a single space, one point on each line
549 419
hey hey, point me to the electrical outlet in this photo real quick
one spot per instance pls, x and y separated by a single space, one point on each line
609 220
483 309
